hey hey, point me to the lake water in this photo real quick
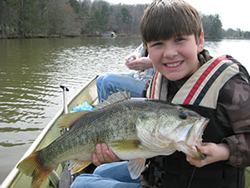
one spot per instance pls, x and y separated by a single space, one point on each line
31 71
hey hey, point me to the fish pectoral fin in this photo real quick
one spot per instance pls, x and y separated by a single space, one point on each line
125 145
135 167
77 165
67 120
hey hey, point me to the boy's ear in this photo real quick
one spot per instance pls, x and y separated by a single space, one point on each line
201 42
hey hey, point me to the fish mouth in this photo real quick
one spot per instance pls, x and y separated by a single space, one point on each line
197 131
199 127
189 137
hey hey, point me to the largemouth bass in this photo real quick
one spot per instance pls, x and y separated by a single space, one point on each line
134 129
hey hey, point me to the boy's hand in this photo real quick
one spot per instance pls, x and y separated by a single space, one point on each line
214 153
103 155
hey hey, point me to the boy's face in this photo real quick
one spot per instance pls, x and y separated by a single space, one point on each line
176 58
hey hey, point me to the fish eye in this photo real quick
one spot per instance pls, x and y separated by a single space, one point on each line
144 116
183 115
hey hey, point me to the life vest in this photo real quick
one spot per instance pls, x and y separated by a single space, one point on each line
199 93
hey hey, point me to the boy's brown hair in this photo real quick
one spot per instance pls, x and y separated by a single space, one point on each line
164 19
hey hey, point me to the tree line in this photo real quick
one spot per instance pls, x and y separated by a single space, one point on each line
55 18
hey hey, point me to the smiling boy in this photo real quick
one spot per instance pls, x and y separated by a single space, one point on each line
216 88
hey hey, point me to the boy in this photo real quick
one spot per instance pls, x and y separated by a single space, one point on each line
217 88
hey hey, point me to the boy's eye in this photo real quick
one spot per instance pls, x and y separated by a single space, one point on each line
179 39
157 44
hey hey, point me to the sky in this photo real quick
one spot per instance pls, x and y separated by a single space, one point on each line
233 14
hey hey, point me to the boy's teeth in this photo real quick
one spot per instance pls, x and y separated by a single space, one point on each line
173 64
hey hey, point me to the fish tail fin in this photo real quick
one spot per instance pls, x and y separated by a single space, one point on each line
31 167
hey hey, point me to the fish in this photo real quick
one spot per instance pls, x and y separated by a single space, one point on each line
133 128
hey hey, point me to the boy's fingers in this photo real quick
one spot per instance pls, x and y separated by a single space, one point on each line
112 156
106 157
95 161
103 155
99 153
196 162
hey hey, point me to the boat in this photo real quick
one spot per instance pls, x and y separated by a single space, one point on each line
109 34
17 179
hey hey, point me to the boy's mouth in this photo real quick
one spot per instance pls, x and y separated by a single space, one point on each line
173 64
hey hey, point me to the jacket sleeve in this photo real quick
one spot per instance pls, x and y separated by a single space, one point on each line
234 112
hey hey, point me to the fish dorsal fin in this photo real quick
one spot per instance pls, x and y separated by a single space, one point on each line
67 120
114 98
76 165
135 167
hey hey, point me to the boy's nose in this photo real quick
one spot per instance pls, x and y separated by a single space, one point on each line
170 51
